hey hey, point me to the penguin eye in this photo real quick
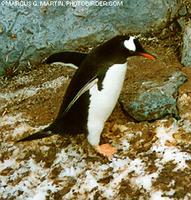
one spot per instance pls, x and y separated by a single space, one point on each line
130 44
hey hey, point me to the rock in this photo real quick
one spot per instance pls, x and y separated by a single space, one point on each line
183 11
186 52
32 32
182 21
1 28
154 100
184 98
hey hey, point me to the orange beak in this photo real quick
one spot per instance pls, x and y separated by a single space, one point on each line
147 55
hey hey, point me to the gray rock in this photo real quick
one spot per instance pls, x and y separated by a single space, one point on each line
183 11
186 52
154 100
182 21
1 28
31 33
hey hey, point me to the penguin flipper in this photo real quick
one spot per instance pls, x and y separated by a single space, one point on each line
67 57
85 88
38 135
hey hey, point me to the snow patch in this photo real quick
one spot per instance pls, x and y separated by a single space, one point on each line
33 186
145 181
90 181
157 195
10 119
169 153
166 134
7 163
69 172
21 129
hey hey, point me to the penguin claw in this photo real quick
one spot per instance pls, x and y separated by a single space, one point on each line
106 150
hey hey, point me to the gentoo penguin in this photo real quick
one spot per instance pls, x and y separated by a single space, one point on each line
93 91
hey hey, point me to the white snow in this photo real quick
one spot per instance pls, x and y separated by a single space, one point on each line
125 145
168 153
20 129
165 134
157 195
7 163
10 119
69 171
90 181
40 195
33 186
145 181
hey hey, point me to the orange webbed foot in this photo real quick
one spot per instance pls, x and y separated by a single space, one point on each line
106 150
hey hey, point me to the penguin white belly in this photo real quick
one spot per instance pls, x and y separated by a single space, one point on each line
103 102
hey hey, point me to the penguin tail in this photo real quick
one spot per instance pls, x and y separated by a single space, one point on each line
38 135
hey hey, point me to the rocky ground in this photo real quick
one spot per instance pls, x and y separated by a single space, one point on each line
153 160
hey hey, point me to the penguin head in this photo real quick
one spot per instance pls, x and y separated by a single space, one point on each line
133 47
118 49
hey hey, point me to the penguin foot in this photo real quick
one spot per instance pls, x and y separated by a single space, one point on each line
106 150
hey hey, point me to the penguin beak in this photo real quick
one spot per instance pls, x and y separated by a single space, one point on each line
147 55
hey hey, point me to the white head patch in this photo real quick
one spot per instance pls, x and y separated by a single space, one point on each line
129 44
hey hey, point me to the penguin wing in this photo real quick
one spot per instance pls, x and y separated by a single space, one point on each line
84 89
67 57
